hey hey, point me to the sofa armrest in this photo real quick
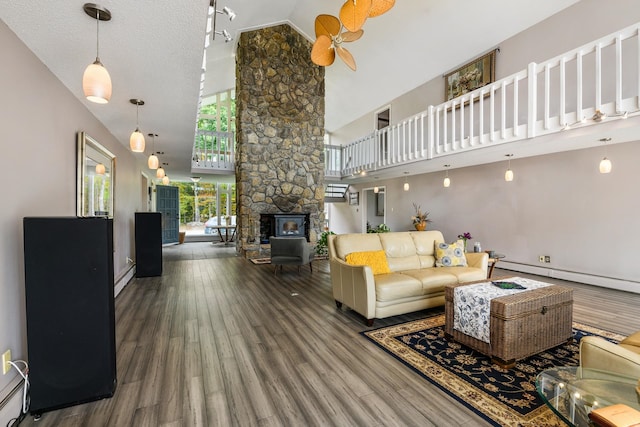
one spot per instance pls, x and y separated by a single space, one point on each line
478 260
354 286
598 353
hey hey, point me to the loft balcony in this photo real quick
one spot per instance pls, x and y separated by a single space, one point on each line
568 102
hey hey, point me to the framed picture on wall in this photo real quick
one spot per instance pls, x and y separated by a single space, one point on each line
353 198
471 76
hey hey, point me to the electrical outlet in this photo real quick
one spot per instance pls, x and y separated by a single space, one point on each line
6 358
541 258
547 258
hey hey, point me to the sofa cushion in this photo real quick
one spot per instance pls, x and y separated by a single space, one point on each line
393 286
632 340
433 279
377 260
451 255
400 250
425 242
465 274
356 242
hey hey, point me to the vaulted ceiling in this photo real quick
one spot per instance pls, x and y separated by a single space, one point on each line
153 51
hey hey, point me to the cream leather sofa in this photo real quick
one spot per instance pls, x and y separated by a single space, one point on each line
415 283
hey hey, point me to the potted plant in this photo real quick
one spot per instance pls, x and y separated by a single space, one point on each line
420 219
322 245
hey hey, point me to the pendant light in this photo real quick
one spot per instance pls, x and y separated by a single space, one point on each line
447 182
405 187
100 169
160 173
153 161
508 175
96 82
136 140
165 180
605 163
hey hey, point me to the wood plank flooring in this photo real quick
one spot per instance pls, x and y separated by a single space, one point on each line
218 341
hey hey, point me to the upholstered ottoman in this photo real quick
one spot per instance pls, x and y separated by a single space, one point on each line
520 325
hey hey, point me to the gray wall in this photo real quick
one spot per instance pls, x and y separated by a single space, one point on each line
39 120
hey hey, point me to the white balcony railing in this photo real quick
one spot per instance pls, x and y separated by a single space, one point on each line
565 91
213 152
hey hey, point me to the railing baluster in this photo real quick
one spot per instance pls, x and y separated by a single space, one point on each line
492 112
481 120
444 129
462 101
579 86
431 129
618 73
547 84
598 77
516 101
533 99
563 94
503 101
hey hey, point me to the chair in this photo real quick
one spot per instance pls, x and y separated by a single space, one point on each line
290 251
622 358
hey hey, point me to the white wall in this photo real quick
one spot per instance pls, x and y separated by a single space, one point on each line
39 120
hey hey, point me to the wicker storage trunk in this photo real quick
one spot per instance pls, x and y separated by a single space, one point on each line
521 324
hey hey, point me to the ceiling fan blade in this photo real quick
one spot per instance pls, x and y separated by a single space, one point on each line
322 53
327 25
354 13
351 36
346 56
379 7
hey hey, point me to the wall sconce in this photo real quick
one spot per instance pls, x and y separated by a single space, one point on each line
96 82
508 175
405 187
153 161
605 163
136 140
447 182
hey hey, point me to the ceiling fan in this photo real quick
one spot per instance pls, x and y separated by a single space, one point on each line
329 34
329 39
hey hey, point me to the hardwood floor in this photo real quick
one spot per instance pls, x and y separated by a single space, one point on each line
218 341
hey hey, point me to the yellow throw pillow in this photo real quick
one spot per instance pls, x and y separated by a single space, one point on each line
377 260
450 255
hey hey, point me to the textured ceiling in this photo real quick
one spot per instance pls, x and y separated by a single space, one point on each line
153 51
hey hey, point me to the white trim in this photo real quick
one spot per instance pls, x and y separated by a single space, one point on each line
589 279
124 280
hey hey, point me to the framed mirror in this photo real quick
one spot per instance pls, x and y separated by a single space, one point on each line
95 187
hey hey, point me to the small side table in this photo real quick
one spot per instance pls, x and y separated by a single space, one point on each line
493 261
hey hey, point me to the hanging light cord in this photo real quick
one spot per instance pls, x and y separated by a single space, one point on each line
137 116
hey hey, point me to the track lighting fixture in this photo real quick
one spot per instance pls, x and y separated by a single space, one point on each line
211 22
508 175
96 82
136 140
227 11
225 34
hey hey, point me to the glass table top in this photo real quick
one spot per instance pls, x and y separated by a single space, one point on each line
573 392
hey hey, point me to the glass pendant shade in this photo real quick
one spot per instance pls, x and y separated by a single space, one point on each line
605 165
376 190
406 186
508 175
96 83
100 169
447 182
136 141
160 173
165 180
153 162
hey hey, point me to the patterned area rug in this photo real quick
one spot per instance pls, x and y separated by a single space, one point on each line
504 397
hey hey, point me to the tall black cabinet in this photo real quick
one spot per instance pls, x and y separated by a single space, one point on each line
148 244
70 310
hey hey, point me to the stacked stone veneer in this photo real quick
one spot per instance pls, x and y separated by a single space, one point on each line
280 129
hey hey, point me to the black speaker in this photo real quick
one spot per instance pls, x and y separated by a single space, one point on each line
70 310
148 244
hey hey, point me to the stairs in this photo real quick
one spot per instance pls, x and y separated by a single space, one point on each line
335 193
